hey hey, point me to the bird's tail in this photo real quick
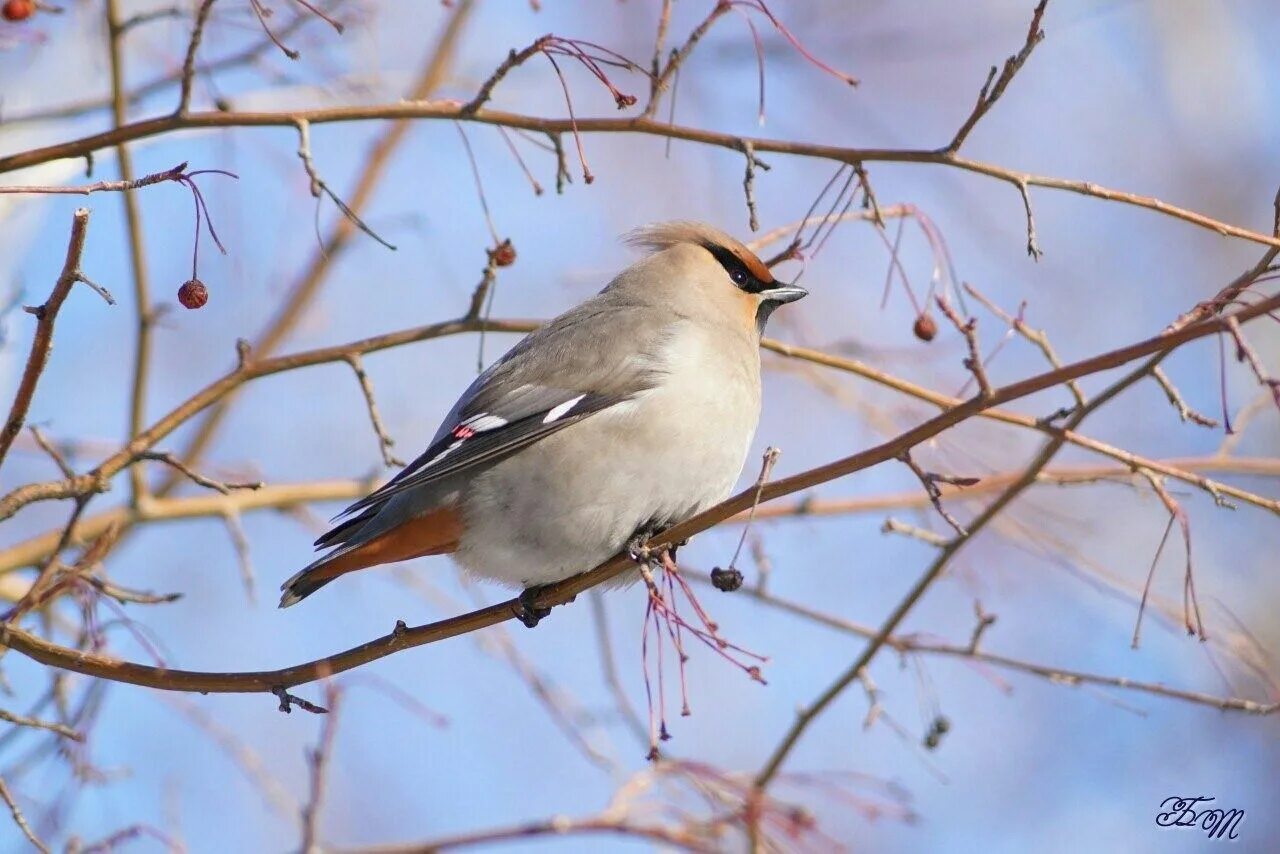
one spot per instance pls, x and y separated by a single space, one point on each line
433 533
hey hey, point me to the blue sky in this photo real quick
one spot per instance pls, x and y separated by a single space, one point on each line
1169 100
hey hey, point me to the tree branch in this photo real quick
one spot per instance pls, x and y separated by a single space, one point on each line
452 111
402 638
42 341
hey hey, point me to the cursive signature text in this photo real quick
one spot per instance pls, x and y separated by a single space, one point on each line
1194 812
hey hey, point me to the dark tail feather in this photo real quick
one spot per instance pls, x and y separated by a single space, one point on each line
300 587
342 532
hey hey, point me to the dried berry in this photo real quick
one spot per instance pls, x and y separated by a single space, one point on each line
941 726
193 294
17 10
726 580
925 328
504 255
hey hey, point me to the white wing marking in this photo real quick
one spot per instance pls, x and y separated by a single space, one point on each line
558 411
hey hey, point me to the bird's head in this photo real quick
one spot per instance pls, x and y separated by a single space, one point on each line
701 269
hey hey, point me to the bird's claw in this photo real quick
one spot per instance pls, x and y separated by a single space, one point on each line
527 610
640 553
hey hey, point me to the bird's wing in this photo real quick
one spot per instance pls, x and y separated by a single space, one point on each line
594 357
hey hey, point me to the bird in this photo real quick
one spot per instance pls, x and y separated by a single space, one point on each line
627 414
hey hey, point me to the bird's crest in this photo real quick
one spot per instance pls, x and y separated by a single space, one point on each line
664 235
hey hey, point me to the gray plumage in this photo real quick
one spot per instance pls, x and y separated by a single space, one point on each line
634 409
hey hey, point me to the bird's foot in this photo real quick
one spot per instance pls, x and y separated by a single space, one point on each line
640 553
527 611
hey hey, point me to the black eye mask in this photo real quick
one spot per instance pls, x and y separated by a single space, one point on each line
738 272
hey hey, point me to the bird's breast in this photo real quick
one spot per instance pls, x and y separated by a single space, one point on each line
573 499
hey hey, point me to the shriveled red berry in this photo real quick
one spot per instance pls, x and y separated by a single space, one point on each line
17 10
726 580
193 294
925 327
504 255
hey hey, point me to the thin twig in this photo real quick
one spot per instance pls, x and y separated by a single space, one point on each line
20 820
1185 412
240 542
194 476
930 481
261 13
993 88
914 643
749 184
385 442
42 341
1191 604
319 186
1038 337
45 445
318 763
897 526
137 250
513 60
1033 245
303 289
35 723
969 329
662 79
189 63
805 718
1246 353
174 174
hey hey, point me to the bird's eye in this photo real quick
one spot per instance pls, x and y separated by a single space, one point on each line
739 276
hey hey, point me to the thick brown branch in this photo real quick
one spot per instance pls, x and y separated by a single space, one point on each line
402 638
449 110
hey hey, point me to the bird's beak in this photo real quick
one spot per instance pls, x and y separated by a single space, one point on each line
784 294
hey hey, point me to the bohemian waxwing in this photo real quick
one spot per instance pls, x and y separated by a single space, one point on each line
625 415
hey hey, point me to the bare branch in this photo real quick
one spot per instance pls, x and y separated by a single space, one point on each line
969 329
137 249
990 93
749 184
1038 337
35 723
385 442
1185 412
810 713
318 763
56 455
911 643
644 125
895 526
277 681
930 481
240 542
1246 353
1033 246
318 185
20 820
195 477
42 341
189 63
513 60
